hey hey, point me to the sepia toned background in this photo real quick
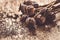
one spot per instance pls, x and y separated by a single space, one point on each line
12 7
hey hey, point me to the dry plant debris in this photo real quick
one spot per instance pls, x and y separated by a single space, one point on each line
34 18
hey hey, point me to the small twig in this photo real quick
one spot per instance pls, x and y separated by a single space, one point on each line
49 6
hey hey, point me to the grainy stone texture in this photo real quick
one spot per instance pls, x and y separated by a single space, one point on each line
11 29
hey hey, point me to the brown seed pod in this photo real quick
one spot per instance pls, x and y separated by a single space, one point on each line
30 20
28 10
28 2
33 3
31 10
40 20
50 18
30 23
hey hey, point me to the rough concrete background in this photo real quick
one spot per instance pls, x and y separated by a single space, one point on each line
11 7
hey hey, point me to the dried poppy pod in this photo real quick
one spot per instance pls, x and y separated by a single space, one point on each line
31 11
50 18
28 10
33 3
40 20
28 2
30 23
